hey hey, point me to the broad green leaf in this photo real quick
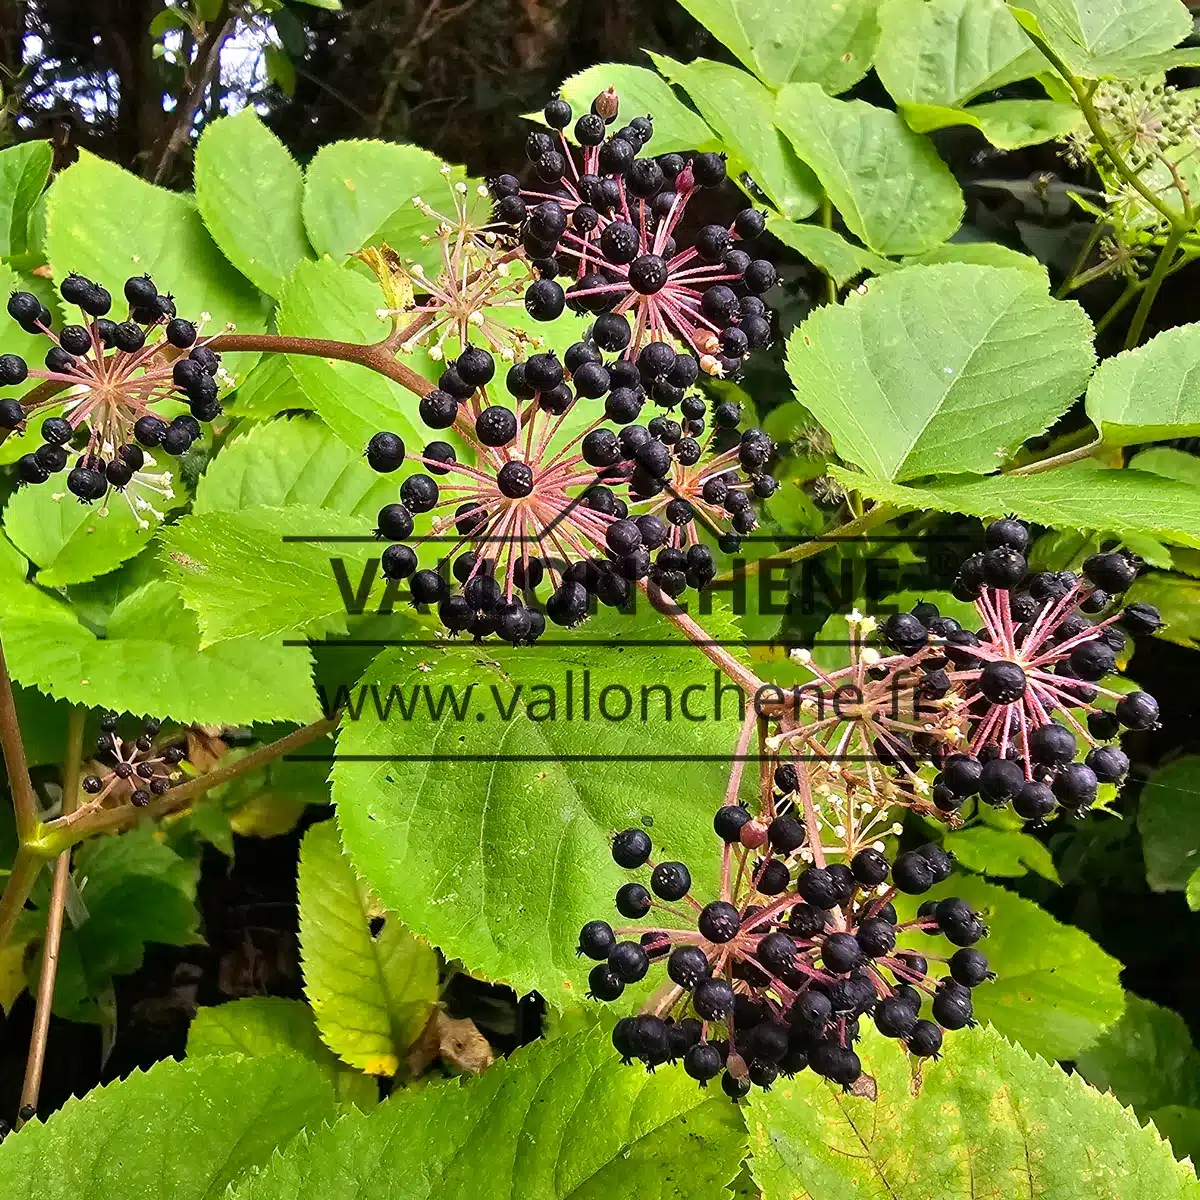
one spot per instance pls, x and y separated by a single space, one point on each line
150 660
1056 991
1181 1126
947 52
248 190
1006 853
560 1118
1169 822
323 300
1007 124
984 1120
981 254
841 260
893 191
292 461
1177 599
1165 460
72 542
242 576
181 1129
1146 1059
360 193
269 389
108 224
24 169
1102 38
1150 394
1118 502
270 1025
371 992
898 374
1193 891
538 786
830 42
641 91
740 109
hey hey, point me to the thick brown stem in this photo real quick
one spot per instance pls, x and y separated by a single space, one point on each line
376 358
65 832
19 783
717 654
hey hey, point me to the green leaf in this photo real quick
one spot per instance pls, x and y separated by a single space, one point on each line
1181 1126
641 91
1165 460
248 190
329 5
985 1120
740 109
1169 822
269 1025
1102 38
371 993
1117 502
108 225
1007 124
1150 394
24 169
296 461
32 348
270 388
1056 991
473 891
898 372
1177 599
1006 853
830 42
360 193
186 1130
893 191
981 254
136 891
150 660
72 542
1146 1059
947 52
241 577
281 71
533 1119
841 260
323 300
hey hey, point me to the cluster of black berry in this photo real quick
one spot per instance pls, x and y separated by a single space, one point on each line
608 222
776 974
1023 680
133 770
115 373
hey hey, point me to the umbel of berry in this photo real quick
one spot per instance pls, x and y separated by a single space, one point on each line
116 372
130 771
601 225
1034 700
778 972
535 520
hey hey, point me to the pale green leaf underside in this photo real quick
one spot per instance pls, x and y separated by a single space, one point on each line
248 190
1007 853
183 1130
1169 822
24 169
830 42
887 182
1007 124
940 369
521 860
740 109
371 995
984 1121
560 1119
1150 394
1118 502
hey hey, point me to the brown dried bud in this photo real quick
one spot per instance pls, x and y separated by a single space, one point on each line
606 105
